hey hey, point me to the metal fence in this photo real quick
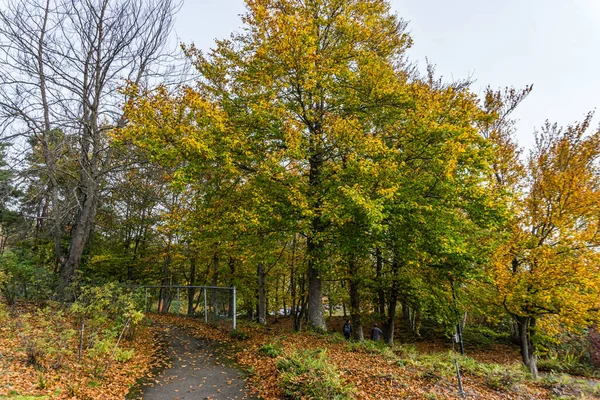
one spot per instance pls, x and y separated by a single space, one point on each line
213 303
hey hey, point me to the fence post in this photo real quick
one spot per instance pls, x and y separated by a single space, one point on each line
146 301
205 308
234 309
178 299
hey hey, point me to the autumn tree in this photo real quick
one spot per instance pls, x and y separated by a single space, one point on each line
546 272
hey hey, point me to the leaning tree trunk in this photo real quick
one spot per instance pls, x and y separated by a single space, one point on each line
526 327
79 238
357 328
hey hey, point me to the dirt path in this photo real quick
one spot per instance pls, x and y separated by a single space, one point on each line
198 371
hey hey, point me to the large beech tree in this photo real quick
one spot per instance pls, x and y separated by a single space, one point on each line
312 113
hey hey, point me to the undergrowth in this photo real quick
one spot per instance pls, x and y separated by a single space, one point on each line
309 375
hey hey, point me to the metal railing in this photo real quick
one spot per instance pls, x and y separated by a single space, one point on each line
204 289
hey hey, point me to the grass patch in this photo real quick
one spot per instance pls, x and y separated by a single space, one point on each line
309 375
442 365
564 386
371 347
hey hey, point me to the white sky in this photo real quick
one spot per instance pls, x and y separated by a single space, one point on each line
553 44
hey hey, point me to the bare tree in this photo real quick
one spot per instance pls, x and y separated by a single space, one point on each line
61 64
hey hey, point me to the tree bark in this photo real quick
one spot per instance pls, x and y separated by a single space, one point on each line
192 291
232 284
262 303
214 282
314 244
379 277
526 327
390 325
355 312
164 300
293 277
79 239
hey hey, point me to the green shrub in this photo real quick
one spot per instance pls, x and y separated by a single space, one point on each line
568 353
337 337
309 375
4 314
21 277
122 355
48 345
238 335
271 350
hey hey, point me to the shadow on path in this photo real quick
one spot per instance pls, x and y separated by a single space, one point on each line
198 371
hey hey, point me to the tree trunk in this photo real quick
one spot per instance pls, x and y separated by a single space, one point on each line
380 291
262 303
232 284
214 282
314 243
301 306
357 328
164 301
192 291
526 326
79 239
390 325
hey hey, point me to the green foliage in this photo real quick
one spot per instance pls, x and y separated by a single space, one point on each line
19 276
442 365
4 314
309 375
238 334
49 343
372 347
122 355
480 335
110 304
271 350
566 353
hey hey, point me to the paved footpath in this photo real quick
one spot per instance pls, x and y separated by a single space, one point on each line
198 371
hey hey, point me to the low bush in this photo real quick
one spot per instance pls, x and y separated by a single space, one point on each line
309 375
271 350
123 355
567 353
238 335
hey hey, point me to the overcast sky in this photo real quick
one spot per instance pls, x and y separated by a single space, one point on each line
553 44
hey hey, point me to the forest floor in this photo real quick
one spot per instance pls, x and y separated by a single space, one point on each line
180 357
422 370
